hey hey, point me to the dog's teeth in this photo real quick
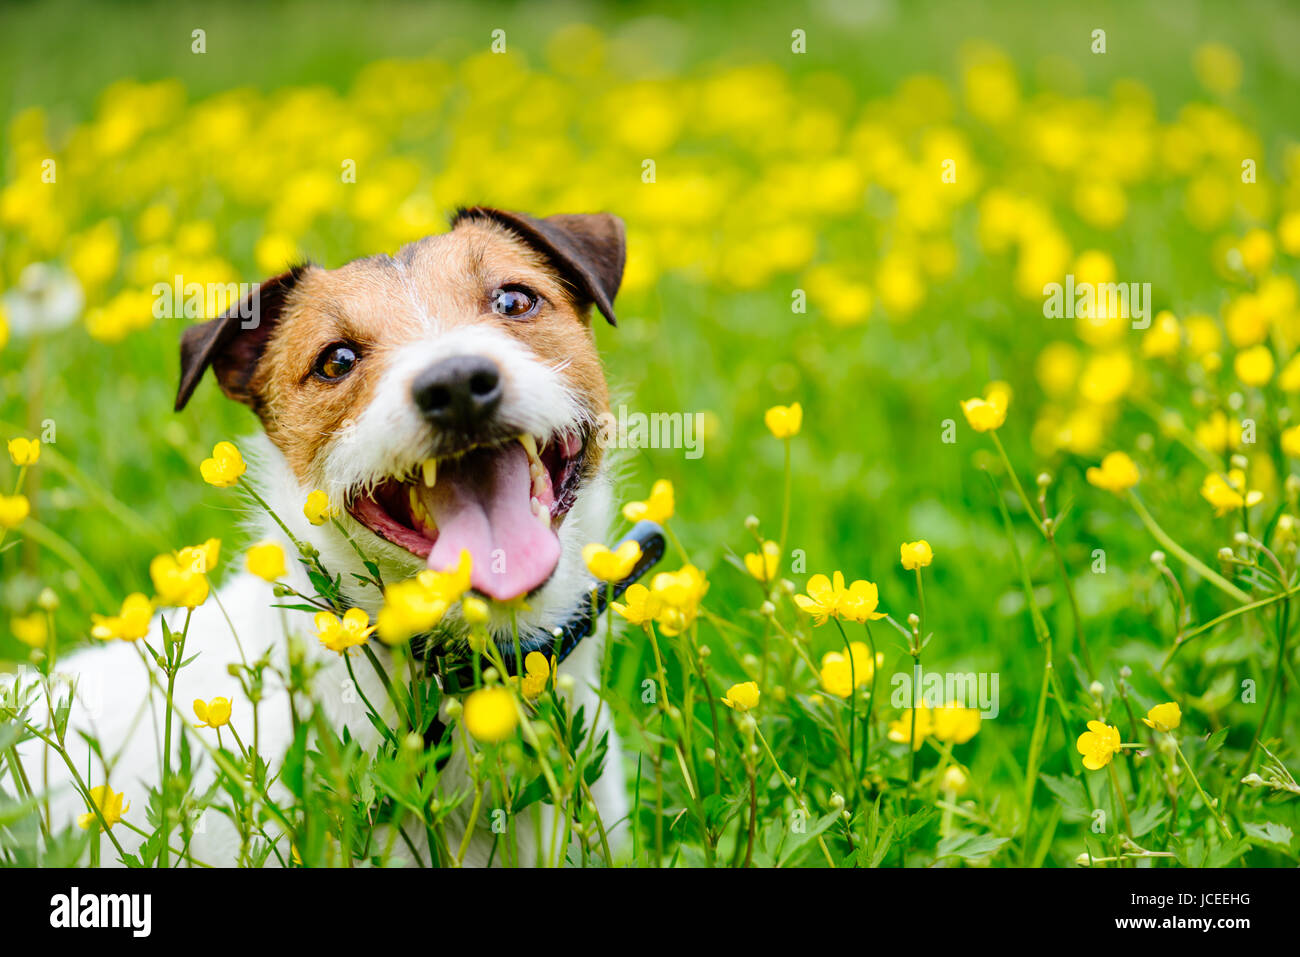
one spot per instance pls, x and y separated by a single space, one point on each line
530 446
542 512
430 472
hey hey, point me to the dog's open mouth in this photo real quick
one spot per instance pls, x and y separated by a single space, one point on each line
502 503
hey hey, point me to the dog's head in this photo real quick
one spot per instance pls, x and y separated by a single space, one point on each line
448 396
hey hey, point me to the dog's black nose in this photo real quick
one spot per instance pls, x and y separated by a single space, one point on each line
461 392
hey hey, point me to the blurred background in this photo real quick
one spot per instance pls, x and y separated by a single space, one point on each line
775 173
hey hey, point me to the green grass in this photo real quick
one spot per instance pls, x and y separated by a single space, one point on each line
870 469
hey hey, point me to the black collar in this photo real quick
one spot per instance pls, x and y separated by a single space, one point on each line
564 638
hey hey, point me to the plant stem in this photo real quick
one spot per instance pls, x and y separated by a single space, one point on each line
1161 536
1201 791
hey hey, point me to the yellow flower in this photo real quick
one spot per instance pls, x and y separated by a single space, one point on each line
1163 338
826 599
916 554
13 509
179 579
657 508
984 414
641 605
200 558
1291 442
214 713
1098 745
998 393
225 467
1218 433
822 599
611 566
129 624
537 672
418 604
784 421
900 731
24 451
743 696
679 595
1254 366
490 714
266 560
475 611
110 806
763 564
32 630
1227 494
1117 473
318 508
1289 380
858 602
1164 717
841 673
955 724
338 635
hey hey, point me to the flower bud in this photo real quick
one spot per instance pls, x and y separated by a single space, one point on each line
1157 557
1096 689
837 801
1044 480
767 609
48 599
1253 780
751 522
955 780
1225 554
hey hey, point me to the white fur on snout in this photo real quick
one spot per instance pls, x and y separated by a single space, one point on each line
390 436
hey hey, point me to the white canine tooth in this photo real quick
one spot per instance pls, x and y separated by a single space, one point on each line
542 512
430 471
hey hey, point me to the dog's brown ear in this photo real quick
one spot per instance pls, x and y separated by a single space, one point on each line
588 249
234 342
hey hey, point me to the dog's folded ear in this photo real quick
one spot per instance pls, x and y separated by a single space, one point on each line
233 342
588 249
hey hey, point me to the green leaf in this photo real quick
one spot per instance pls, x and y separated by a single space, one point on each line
1069 792
969 846
1147 818
1278 835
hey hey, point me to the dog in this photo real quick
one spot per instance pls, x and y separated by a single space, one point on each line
447 398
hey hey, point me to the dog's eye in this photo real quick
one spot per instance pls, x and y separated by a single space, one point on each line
335 362
516 302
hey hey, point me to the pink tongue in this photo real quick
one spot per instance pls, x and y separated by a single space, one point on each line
482 504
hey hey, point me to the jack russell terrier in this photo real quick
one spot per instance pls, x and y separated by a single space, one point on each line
450 397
